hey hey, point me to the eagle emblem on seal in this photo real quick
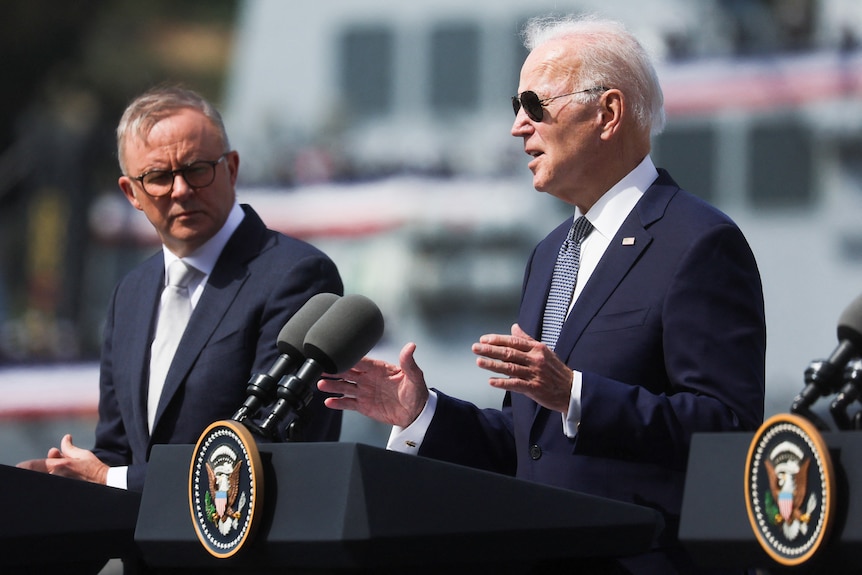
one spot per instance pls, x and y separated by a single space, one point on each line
224 500
787 471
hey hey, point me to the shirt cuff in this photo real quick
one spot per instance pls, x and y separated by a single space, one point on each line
572 419
409 439
118 477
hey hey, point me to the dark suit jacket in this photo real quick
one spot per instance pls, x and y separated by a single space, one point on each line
260 279
670 336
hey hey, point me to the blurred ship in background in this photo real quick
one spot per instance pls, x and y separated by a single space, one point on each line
379 132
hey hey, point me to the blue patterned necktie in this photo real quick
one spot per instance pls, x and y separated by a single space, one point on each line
563 282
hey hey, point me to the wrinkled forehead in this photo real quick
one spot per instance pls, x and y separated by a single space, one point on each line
183 136
185 121
184 127
551 64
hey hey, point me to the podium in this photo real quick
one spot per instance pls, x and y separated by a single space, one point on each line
54 521
715 527
344 507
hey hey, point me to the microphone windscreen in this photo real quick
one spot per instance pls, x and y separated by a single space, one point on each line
292 335
850 323
345 333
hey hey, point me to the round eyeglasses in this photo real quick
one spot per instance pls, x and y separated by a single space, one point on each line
534 106
200 174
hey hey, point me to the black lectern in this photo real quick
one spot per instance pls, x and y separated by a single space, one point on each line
715 525
53 520
344 507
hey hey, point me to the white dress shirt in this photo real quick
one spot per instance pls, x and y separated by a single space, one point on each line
607 216
204 260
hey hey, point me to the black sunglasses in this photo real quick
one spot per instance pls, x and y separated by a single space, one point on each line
533 106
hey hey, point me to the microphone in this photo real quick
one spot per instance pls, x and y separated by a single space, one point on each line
262 386
339 339
823 377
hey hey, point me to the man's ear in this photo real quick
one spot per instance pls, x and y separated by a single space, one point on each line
613 108
128 189
233 166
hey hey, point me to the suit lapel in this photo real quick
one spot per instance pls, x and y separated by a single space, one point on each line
139 340
612 268
540 267
225 282
610 272
632 239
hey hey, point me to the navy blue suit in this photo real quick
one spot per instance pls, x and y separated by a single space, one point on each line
669 333
260 279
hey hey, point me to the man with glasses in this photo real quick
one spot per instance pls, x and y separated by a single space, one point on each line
244 282
641 320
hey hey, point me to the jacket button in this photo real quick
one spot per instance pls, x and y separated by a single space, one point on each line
535 452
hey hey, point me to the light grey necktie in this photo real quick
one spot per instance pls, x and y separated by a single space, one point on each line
176 308
563 281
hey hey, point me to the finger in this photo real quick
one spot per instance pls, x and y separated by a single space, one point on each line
409 365
341 403
406 353
72 451
362 366
493 339
501 353
67 448
493 365
514 373
520 333
508 383
366 367
506 341
338 386
34 465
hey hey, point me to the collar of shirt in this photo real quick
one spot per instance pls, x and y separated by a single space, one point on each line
607 216
610 211
205 258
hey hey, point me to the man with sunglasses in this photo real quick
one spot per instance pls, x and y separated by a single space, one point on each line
246 282
641 318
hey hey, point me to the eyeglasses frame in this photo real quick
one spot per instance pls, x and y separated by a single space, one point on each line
180 172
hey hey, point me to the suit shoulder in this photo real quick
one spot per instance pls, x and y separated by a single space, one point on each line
145 269
669 203
294 244
685 201
665 193
289 256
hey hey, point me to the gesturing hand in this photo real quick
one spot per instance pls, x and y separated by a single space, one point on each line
70 461
384 392
530 367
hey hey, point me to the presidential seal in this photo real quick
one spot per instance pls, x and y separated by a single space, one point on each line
789 489
225 487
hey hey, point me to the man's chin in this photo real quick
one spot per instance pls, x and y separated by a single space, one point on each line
541 185
538 183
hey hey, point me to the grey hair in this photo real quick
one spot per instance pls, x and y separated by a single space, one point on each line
609 56
155 105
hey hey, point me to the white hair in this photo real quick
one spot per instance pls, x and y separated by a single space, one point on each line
609 56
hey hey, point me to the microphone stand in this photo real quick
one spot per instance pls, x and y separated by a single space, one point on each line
293 396
818 376
848 394
260 388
